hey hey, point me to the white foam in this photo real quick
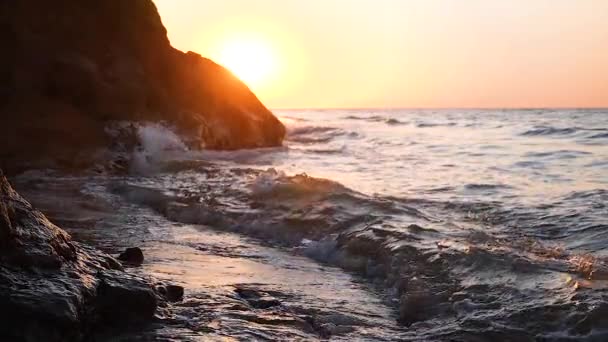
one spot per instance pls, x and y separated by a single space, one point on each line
324 250
266 182
158 144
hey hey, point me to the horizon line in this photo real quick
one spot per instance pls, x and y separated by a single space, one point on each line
439 108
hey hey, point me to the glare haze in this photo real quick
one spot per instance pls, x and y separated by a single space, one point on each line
409 53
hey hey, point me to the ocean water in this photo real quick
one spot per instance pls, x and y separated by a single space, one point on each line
520 157
393 224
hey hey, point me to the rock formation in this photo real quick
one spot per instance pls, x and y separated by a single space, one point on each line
69 67
55 289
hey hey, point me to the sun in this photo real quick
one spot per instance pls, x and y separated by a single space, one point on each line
251 59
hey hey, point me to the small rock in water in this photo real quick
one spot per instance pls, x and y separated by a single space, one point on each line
257 299
333 329
132 255
172 293
264 302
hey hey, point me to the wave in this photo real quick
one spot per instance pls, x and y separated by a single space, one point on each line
432 124
293 118
325 151
477 265
598 194
546 130
157 143
315 134
588 136
376 118
393 121
373 118
311 130
276 184
149 148
141 147
599 136
549 130
560 154
482 186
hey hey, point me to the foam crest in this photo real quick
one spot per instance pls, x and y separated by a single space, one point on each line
158 144
273 183
314 134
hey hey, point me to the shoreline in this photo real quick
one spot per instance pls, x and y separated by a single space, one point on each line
230 281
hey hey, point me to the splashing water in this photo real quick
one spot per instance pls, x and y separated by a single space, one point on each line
157 143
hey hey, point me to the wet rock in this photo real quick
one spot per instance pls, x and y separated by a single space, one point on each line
339 319
172 293
55 289
123 298
257 299
332 329
175 293
132 255
328 324
264 302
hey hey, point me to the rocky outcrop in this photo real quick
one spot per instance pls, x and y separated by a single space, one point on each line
68 67
55 289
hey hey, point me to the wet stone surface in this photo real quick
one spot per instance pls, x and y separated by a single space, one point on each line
55 289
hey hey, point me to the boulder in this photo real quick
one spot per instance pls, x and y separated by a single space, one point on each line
55 289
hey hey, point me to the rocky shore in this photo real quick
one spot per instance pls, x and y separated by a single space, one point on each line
72 69
55 289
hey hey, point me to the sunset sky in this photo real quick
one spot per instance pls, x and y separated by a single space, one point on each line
404 53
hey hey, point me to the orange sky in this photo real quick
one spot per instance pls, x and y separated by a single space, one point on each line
408 53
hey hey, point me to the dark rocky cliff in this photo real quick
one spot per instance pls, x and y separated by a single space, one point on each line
68 67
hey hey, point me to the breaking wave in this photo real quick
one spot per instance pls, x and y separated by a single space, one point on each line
157 143
315 134
433 273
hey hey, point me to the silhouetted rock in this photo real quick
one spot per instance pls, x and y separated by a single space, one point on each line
69 67
55 289
132 255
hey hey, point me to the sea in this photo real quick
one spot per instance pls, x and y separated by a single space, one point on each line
366 225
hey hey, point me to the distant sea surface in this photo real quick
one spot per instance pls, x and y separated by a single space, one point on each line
549 163
459 224
515 157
